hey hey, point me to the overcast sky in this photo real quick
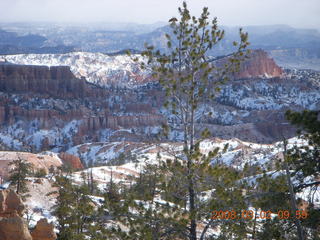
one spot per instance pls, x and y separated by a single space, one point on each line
297 13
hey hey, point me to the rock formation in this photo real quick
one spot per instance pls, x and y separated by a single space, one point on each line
43 231
71 160
259 65
13 226
56 81
60 118
10 202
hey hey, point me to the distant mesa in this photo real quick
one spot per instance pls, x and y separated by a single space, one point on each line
259 65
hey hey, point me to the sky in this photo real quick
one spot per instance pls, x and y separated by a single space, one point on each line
296 13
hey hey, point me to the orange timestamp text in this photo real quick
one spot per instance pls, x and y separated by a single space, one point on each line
250 214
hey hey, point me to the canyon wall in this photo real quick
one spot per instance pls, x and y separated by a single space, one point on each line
55 81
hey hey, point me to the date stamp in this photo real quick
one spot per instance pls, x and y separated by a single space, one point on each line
250 214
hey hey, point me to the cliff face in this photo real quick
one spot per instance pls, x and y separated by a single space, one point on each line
55 81
259 65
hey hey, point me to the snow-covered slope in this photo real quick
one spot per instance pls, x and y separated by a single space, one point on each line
95 67
238 152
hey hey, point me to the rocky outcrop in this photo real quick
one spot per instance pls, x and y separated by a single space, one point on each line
12 225
98 68
257 97
71 160
43 231
259 64
10 202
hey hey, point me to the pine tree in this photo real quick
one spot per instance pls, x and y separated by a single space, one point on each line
18 174
304 161
189 80
298 170
63 210
74 209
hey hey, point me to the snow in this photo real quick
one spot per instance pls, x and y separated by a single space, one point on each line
10 141
102 175
263 95
19 135
38 204
95 153
311 194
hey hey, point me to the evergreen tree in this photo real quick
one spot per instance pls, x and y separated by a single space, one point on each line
189 80
18 174
74 209
297 171
304 163
63 210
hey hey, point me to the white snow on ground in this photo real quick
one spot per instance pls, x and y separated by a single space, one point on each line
18 136
265 96
237 154
311 194
103 152
308 194
9 141
95 152
102 175
39 205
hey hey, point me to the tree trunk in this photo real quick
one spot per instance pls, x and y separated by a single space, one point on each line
254 224
192 194
292 194
192 210
19 179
